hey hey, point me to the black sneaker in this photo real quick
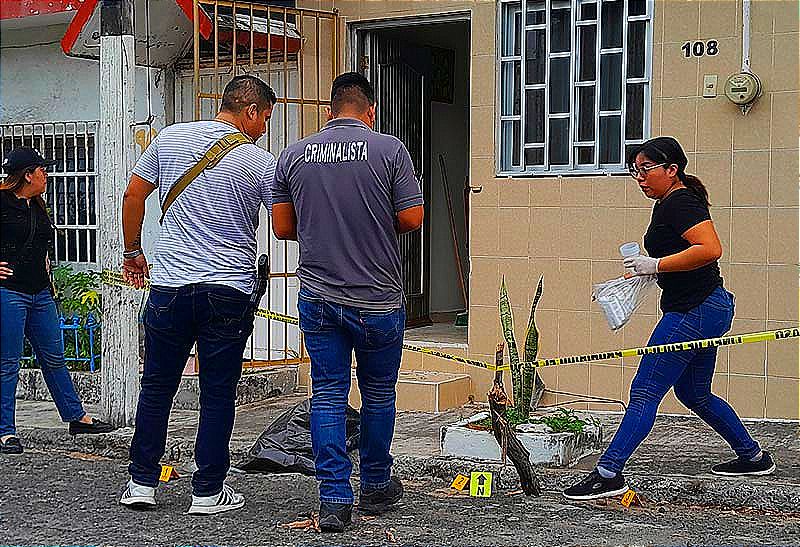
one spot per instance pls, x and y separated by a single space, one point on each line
380 500
741 466
97 426
594 486
334 517
12 445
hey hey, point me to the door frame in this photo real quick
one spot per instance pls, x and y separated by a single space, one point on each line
354 27
357 31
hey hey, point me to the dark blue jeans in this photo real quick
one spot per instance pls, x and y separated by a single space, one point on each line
33 316
690 373
331 332
213 316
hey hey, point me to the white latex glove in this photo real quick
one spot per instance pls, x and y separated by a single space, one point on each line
642 265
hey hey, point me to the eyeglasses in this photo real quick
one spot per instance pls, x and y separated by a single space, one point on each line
642 171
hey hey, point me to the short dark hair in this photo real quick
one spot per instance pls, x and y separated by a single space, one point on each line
246 90
351 88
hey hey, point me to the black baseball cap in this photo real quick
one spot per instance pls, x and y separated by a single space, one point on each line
23 158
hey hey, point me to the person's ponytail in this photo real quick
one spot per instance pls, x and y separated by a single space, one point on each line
696 186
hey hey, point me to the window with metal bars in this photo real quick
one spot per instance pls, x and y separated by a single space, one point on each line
574 84
71 184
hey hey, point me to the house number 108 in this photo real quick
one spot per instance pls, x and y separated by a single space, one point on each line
698 49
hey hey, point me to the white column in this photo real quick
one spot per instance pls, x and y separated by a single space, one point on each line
120 337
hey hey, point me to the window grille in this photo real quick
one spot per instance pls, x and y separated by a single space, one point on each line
71 186
574 84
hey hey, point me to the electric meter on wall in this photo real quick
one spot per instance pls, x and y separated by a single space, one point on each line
743 88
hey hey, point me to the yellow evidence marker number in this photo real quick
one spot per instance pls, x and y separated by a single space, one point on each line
480 484
167 472
459 482
627 499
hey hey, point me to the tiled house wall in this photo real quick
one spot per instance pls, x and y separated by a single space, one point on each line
569 229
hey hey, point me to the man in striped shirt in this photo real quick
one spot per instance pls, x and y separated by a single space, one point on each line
202 278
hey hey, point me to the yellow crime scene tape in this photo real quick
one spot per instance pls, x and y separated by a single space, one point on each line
114 278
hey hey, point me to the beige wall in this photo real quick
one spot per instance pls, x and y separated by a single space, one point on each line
569 229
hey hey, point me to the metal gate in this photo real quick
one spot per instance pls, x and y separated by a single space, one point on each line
399 92
296 51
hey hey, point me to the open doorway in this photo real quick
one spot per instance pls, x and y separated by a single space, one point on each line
420 70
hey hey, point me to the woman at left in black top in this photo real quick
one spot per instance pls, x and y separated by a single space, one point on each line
27 308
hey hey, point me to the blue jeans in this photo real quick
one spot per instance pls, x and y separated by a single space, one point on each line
213 316
690 373
33 316
331 332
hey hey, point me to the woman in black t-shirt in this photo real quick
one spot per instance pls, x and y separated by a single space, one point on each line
683 249
27 308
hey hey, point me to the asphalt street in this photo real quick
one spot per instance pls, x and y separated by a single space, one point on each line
60 498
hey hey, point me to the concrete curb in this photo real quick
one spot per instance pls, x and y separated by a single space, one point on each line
706 489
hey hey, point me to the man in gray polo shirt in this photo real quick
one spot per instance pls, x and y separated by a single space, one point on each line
345 194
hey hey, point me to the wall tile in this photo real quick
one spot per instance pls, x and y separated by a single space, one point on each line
608 191
750 171
785 74
484 281
682 20
679 120
484 238
482 131
715 123
783 398
716 19
749 235
576 191
514 228
714 169
484 83
605 381
783 178
484 329
576 232
545 192
514 192
748 282
746 394
544 238
572 288
783 291
784 119
573 333
608 232
483 29
783 231
784 14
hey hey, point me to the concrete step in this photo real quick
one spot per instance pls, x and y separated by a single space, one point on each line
426 391
254 386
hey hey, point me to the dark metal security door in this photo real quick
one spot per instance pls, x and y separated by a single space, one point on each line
399 92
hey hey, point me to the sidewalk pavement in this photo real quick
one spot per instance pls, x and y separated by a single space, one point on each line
672 465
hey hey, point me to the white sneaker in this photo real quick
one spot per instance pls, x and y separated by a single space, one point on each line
138 496
226 500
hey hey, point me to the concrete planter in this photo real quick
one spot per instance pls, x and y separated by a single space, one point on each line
545 447
253 386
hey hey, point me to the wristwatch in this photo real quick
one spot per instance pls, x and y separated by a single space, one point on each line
131 254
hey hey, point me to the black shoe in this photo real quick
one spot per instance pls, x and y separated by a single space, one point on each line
97 426
11 446
741 466
334 517
380 500
594 486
